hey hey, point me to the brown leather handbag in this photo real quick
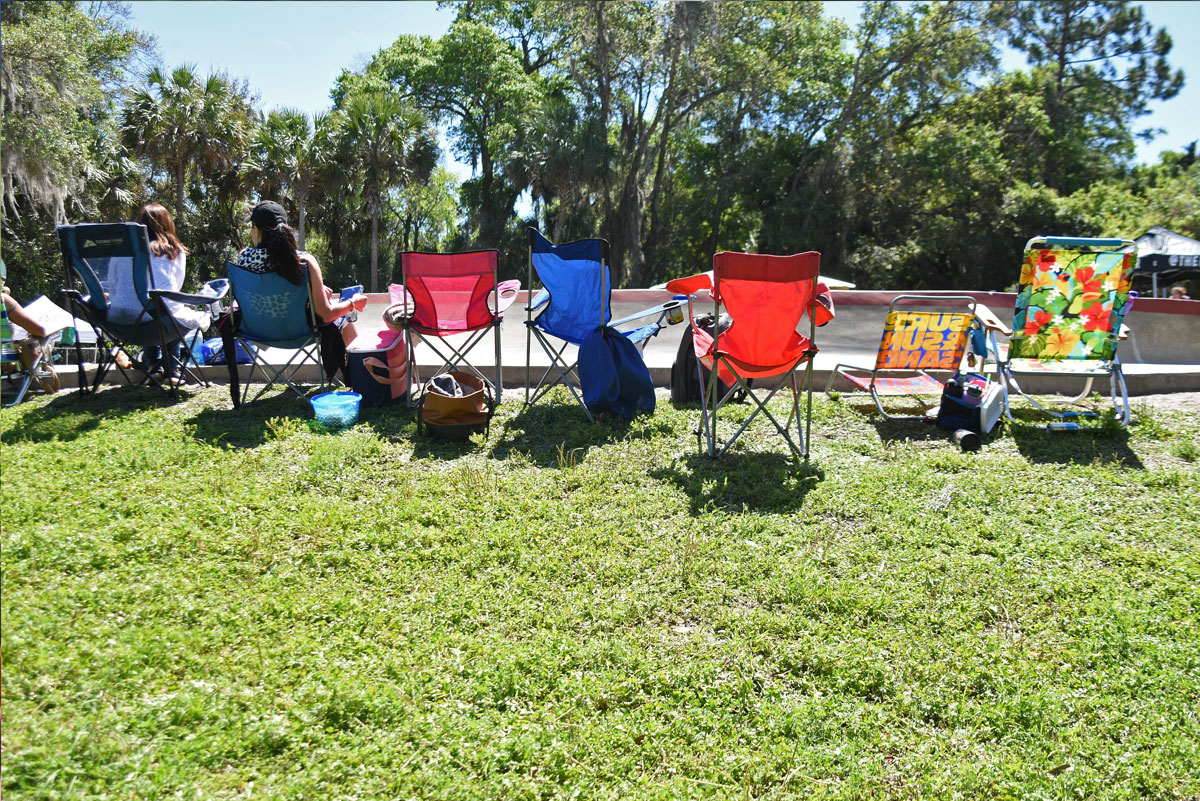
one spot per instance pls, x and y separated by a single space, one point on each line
456 405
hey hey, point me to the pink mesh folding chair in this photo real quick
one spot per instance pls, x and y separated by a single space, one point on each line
453 295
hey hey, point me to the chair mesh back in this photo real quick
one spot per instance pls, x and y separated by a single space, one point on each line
1072 298
451 290
577 277
109 259
923 340
273 308
766 296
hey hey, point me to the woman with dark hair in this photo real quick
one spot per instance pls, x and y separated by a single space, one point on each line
168 263
273 250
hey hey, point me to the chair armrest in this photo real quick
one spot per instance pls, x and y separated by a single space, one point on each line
690 285
187 298
659 309
402 301
506 293
540 299
990 321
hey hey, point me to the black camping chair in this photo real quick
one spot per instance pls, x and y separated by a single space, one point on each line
102 256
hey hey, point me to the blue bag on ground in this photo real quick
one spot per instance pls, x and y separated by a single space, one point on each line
613 376
213 352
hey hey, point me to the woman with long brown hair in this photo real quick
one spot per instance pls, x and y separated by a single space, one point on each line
168 264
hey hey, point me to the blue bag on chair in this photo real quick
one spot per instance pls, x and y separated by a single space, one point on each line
613 376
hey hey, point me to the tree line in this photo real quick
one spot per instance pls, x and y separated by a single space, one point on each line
897 147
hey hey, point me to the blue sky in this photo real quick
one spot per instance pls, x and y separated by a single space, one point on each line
291 52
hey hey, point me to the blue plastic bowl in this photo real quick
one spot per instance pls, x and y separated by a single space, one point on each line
337 409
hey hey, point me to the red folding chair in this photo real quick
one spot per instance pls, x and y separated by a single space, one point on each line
453 295
766 299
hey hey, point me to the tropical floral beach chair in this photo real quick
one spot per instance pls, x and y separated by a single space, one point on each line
1068 319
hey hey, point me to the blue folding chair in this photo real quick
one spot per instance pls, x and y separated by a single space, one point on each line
273 313
574 302
101 256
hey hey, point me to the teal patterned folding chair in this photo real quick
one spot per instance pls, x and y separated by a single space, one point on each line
1069 315
272 313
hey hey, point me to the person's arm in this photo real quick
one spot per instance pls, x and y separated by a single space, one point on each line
324 305
18 315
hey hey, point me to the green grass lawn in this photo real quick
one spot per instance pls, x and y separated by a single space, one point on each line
203 603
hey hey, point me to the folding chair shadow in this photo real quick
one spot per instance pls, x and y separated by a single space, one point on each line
574 301
766 298
1068 319
272 312
453 295
101 256
915 342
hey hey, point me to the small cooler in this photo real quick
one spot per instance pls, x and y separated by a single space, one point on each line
379 367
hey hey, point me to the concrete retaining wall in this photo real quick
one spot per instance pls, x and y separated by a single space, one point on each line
1162 353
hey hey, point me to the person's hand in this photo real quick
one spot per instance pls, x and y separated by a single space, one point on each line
359 301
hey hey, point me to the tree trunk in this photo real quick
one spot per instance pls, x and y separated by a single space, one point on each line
487 172
733 142
375 247
301 213
179 180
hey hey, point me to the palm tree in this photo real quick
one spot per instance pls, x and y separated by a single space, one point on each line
390 144
181 122
294 156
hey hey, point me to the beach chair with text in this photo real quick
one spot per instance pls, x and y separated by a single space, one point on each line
917 341
104 259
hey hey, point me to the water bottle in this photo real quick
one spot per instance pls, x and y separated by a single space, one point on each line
1060 426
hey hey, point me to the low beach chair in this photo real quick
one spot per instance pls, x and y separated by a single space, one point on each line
916 342
1068 320
25 361
766 299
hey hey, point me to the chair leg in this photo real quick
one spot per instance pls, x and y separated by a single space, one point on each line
707 431
709 416
414 377
22 389
808 417
565 372
528 342
499 369
1117 381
